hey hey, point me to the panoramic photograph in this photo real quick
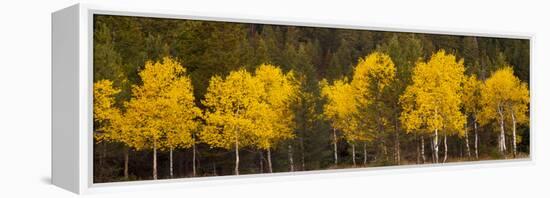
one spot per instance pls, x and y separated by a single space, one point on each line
182 98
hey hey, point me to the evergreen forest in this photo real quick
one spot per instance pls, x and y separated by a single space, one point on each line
175 98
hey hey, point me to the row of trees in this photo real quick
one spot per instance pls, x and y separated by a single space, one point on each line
160 115
124 46
244 109
439 101
241 110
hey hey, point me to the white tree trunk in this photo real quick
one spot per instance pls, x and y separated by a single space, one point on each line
270 166
417 143
353 154
476 139
290 158
194 160
237 157
397 149
154 160
514 135
365 154
435 148
335 141
502 140
397 143
237 148
467 142
445 145
432 147
384 150
171 163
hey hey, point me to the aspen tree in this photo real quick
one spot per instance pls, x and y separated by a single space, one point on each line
161 111
110 120
432 102
341 109
104 111
277 119
181 118
472 106
504 97
233 109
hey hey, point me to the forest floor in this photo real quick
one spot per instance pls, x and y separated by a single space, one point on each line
484 158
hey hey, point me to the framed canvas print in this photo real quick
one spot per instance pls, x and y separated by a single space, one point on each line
175 99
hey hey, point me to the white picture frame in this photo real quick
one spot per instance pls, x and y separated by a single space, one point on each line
72 41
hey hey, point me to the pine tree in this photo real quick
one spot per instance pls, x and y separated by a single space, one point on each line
404 51
371 79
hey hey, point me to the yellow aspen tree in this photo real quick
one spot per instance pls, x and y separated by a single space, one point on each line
276 118
232 111
432 103
105 113
154 111
411 118
371 79
331 110
109 119
504 97
341 109
472 107
180 118
518 111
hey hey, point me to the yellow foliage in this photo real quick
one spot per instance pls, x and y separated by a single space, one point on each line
181 114
106 115
348 105
248 109
277 118
371 78
162 111
433 100
504 92
372 74
233 108
472 95
341 109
